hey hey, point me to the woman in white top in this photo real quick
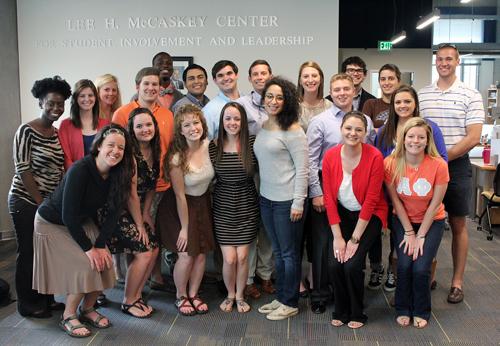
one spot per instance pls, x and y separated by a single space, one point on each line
188 211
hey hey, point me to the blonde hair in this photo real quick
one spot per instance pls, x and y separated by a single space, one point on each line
99 83
341 76
300 88
179 145
399 157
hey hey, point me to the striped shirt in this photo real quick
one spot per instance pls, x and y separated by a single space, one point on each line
42 156
453 109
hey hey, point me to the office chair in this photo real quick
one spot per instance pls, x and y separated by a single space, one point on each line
492 201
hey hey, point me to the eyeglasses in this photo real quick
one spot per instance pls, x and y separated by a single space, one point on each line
278 98
112 130
354 70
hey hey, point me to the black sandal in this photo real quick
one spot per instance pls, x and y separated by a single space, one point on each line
69 328
137 304
94 323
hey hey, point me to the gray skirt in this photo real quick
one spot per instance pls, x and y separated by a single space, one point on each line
60 264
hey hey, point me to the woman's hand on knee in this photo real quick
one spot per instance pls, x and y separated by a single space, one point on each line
100 259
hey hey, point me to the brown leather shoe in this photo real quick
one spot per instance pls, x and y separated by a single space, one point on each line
267 286
252 291
456 295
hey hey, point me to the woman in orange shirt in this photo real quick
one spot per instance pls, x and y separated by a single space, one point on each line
416 178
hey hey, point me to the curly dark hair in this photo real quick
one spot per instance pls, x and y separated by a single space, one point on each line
155 141
74 111
120 175
51 85
290 113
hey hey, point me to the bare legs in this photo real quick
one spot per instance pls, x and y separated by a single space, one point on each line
88 301
138 272
235 269
459 246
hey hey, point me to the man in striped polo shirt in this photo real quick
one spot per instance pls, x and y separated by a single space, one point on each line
459 112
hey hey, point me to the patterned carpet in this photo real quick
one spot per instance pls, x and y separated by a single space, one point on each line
474 322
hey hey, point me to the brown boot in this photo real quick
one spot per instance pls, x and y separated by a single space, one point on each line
252 291
267 286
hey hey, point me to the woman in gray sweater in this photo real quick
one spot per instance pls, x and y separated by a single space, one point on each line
281 150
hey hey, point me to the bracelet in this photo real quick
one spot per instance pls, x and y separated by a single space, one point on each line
354 240
421 236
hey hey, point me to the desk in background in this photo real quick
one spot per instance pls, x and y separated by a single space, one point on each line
482 180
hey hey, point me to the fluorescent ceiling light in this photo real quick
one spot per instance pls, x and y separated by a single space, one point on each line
429 19
399 37
465 1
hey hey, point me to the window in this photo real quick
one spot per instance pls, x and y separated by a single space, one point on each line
458 31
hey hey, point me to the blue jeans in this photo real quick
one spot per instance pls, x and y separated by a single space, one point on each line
413 292
285 237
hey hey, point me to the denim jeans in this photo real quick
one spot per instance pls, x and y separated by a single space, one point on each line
285 237
413 292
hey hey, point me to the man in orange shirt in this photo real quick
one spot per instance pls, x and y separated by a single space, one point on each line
147 83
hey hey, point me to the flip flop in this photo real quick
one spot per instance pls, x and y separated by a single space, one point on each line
419 323
137 304
403 321
227 304
242 306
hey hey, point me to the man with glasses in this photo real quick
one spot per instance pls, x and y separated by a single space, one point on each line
355 67
459 112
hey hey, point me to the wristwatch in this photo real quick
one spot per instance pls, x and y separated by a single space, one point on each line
354 240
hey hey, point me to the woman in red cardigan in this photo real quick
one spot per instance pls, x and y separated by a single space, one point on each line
353 173
77 133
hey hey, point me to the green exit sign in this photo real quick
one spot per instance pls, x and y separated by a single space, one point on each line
384 45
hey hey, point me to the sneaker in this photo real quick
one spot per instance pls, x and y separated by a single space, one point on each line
390 283
282 313
270 307
376 277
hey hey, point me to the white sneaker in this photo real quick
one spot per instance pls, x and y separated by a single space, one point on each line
270 307
282 313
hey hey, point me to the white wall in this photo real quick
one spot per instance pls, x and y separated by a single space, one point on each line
418 61
84 39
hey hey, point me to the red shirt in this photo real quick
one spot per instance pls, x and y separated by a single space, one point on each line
367 180
71 139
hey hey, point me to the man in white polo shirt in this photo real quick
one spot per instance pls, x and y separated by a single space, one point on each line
459 112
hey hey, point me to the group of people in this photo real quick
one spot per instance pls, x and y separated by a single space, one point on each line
263 178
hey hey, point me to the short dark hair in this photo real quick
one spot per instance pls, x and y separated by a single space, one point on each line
146 71
390 67
219 65
56 84
193 67
259 62
354 60
290 112
157 55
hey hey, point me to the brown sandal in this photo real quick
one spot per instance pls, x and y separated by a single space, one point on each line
227 304
242 306
182 303
196 302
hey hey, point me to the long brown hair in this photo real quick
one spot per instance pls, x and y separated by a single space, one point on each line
75 108
179 144
245 152
300 88
389 131
399 153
